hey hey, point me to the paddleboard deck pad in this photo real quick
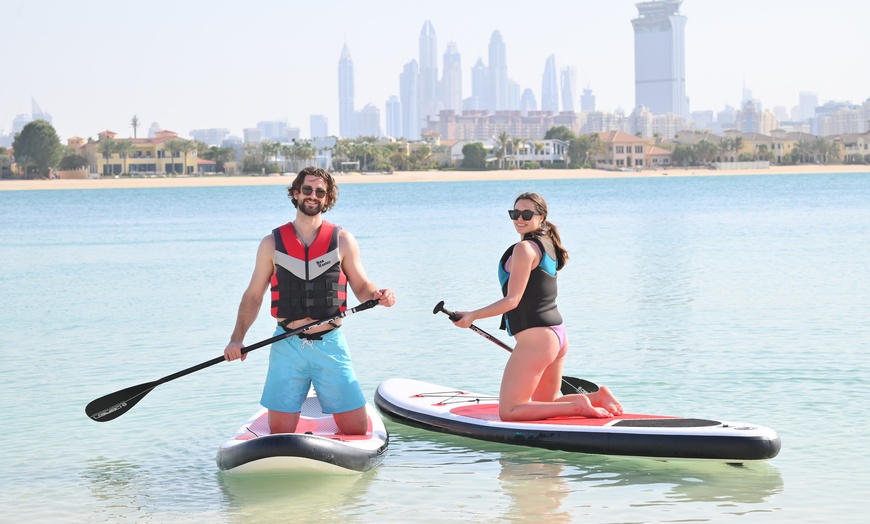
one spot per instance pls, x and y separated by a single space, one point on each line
458 412
317 448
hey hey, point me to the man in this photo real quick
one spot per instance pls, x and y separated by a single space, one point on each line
308 263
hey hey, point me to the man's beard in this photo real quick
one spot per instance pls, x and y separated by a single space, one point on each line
310 211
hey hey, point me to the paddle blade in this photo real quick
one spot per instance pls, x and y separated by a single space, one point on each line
116 404
574 385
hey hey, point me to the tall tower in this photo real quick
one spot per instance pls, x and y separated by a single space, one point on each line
550 87
587 101
411 123
427 101
479 83
660 58
394 117
497 97
569 89
451 79
346 112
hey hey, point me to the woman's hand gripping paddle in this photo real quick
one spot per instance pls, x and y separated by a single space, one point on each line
115 404
570 385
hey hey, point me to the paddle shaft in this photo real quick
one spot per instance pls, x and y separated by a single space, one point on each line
115 404
570 385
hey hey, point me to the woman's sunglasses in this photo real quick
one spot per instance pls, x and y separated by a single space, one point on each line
527 214
307 190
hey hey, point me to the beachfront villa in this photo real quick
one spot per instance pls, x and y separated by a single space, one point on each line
164 154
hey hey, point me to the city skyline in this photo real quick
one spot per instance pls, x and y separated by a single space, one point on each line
228 65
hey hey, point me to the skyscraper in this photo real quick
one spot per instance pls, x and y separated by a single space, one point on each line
451 79
587 101
394 117
550 87
346 112
479 81
660 58
528 102
497 77
319 126
569 88
411 123
368 121
808 102
427 99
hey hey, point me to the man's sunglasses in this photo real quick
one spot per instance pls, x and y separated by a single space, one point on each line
527 214
307 190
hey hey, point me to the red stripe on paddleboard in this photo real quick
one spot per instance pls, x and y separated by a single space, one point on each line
489 412
322 427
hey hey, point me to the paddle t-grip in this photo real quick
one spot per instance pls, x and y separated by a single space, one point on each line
439 308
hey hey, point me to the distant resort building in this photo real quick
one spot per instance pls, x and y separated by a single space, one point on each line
163 154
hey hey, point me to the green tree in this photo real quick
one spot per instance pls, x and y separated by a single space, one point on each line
474 156
72 161
559 133
220 156
37 146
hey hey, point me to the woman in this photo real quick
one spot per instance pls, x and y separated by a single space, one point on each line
527 272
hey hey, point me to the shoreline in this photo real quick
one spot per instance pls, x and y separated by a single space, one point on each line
415 176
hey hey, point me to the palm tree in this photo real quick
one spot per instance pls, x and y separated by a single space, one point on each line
305 150
503 140
123 148
134 123
106 147
188 147
174 147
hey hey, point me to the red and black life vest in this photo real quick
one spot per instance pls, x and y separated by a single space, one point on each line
308 281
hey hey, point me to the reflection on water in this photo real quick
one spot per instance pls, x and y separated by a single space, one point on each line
560 485
276 498
535 489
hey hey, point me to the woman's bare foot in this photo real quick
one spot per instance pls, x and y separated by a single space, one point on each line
604 399
584 408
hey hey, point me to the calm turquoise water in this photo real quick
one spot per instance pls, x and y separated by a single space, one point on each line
738 298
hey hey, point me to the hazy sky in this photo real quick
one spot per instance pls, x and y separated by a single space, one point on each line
190 64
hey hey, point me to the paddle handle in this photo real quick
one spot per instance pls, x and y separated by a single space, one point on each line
570 385
439 308
217 360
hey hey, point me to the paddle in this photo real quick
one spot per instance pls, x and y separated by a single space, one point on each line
570 385
115 404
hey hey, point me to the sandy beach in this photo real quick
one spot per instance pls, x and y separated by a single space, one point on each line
414 176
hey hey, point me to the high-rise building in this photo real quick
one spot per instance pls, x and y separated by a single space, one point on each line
550 86
660 58
346 112
212 136
394 117
427 98
368 121
497 75
411 123
252 134
273 130
479 81
528 102
451 79
808 102
587 100
319 126
569 88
